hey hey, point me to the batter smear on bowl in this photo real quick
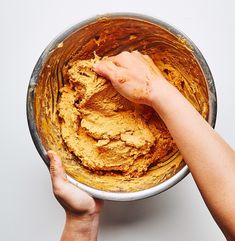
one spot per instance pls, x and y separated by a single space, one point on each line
108 133
105 141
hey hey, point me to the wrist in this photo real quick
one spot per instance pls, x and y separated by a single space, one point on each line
166 99
161 93
81 227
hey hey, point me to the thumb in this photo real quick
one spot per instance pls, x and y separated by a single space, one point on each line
56 169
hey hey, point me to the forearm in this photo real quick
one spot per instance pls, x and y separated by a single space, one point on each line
210 159
81 229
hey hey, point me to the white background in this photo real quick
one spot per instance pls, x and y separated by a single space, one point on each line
28 210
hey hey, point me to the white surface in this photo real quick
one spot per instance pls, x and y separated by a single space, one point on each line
27 207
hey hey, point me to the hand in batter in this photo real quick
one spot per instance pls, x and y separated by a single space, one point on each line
132 75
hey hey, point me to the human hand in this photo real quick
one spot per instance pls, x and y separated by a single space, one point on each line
82 211
133 75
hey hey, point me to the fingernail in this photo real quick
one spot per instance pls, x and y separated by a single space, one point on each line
51 155
55 162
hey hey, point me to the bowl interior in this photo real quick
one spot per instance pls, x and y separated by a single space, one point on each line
109 36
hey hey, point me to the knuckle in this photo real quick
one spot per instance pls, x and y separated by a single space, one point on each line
123 54
116 76
136 52
122 57
121 79
119 75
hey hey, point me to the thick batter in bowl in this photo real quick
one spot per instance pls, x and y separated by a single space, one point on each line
107 143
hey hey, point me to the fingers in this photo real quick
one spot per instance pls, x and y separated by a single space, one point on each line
137 54
124 59
148 60
74 200
109 70
128 59
144 58
58 175
110 66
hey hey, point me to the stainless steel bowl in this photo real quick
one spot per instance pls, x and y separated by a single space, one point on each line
118 196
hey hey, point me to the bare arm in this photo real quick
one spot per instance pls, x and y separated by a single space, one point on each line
82 211
210 159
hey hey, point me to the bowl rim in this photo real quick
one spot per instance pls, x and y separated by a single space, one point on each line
118 196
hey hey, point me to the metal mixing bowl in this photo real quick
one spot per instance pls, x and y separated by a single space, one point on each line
57 43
